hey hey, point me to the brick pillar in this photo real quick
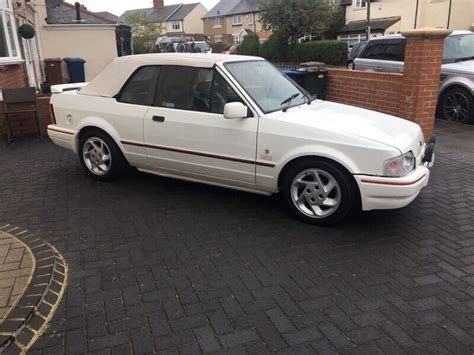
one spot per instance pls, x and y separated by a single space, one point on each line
420 83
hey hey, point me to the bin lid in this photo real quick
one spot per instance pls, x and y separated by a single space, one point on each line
74 60
59 60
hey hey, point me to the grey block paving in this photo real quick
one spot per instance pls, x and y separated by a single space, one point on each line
163 266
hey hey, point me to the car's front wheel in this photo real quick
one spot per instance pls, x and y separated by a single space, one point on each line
319 191
100 157
350 65
457 105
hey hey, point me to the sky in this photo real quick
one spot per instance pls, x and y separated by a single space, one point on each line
118 7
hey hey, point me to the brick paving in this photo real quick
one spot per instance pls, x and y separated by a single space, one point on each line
159 265
16 267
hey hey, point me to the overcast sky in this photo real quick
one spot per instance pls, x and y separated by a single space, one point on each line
117 7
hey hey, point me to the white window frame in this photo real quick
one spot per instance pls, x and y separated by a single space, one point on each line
238 18
237 39
360 4
218 39
6 12
176 25
218 22
251 19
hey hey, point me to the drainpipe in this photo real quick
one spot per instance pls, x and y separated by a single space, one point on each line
368 19
449 13
416 13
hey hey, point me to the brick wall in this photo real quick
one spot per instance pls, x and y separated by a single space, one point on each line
374 91
24 124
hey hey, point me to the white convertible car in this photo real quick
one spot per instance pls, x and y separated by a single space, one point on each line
237 122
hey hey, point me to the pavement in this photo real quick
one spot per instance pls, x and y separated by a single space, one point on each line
163 266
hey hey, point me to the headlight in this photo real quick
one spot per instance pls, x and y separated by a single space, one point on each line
399 166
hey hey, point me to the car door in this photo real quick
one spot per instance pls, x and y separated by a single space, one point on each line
186 134
382 55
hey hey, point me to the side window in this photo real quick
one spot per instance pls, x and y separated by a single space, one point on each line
374 50
221 94
140 88
194 89
184 88
395 50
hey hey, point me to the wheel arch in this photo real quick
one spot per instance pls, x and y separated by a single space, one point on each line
296 160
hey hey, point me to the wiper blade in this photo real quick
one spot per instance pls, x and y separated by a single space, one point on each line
288 100
464 59
310 98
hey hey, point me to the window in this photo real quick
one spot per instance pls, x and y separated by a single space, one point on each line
237 20
237 39
392 49
218 39
218 22
266 85
176 25
251 19
141 87
353 39
194 89
359 4
8 35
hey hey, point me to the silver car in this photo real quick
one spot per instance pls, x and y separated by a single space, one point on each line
456 94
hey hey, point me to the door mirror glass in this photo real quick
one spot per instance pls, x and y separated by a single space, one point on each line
235 110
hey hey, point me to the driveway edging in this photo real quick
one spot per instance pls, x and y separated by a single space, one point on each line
28 319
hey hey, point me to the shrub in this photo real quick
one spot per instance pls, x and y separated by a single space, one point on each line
218 47
250 45
329 52
275 51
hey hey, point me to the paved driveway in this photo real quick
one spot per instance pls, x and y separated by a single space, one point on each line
163 265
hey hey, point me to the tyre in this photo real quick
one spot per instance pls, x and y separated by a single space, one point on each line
350 65
100 156
457 105
318 191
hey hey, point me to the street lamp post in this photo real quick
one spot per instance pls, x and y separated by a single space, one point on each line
368 19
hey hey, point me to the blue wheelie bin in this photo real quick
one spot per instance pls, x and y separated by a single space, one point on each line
76 69
296 75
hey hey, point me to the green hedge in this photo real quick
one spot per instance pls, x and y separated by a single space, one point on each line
329 52
218 47
250 45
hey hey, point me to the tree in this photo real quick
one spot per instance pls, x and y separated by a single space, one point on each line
144 32
290 20
250 45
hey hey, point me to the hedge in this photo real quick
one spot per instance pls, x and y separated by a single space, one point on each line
329 52
218 47
250 45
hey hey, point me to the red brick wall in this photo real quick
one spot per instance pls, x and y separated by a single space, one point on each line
374 91
24 124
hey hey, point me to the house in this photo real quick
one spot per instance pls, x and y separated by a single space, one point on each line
231 20
69 31
393 16
20 60
176 20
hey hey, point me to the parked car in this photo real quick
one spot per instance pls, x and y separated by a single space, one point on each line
456 93
353 53
199 47
238 122
232 50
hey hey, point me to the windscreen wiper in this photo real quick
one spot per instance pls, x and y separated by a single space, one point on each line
287 101
464 59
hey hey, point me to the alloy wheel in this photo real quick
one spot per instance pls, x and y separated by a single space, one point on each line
457 107
97 156
316 193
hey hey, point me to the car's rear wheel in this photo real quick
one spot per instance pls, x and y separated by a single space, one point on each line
319 191
350 65
100 157
457 105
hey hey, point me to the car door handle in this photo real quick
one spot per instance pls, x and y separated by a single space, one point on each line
378 68
158 119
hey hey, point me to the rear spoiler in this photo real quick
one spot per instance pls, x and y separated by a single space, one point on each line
58 89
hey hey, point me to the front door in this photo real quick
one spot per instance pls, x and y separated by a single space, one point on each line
186 134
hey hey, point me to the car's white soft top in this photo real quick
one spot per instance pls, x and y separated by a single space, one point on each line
110 81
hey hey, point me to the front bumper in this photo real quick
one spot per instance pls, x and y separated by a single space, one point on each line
383 193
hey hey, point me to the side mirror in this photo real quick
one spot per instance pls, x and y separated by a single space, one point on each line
235 110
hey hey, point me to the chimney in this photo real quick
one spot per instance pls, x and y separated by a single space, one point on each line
78 12
157 4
